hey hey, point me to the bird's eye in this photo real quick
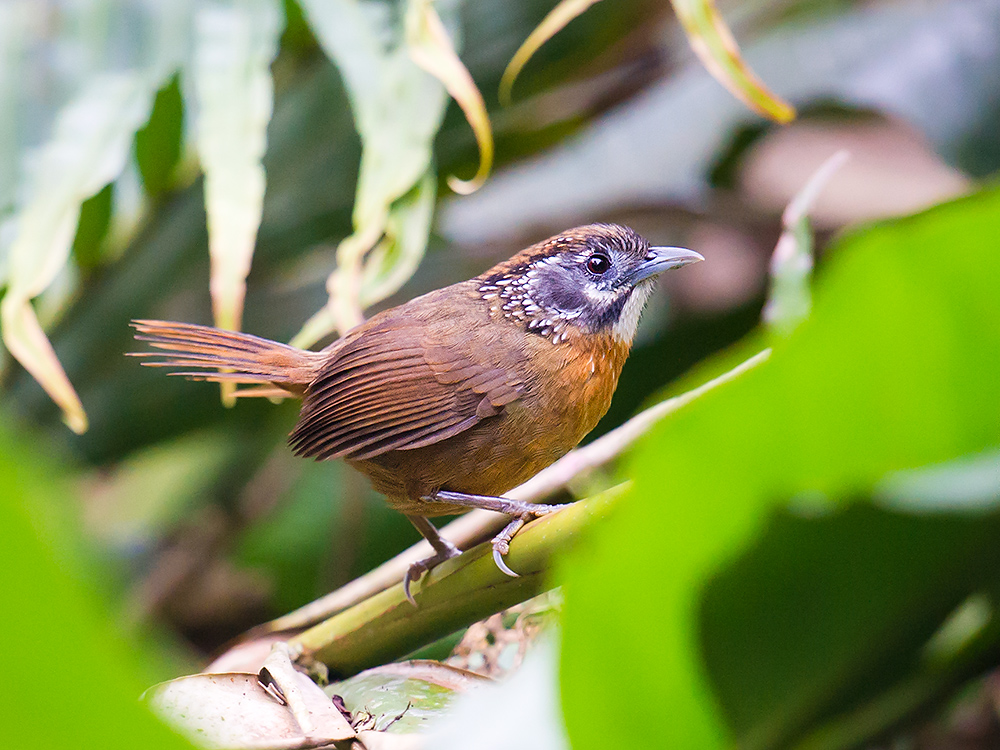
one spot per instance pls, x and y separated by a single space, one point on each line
598 264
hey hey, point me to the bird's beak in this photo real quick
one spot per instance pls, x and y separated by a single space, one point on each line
660 259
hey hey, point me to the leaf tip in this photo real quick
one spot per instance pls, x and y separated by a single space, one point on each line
28 344
76 420
551 25
781 111
466 187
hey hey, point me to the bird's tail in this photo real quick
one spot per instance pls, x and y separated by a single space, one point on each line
226 356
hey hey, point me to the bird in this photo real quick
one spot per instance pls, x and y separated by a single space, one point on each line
453 398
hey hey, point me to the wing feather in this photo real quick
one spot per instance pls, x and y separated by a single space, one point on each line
393 387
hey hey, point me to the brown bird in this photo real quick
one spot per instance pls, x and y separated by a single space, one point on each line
453 398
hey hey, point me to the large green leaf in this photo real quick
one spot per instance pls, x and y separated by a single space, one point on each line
72 140
825 612
71 679
88 149
896 368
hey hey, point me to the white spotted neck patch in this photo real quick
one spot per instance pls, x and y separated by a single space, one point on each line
513 297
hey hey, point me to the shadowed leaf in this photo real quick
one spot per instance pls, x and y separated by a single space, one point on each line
397 109
92 138
158 142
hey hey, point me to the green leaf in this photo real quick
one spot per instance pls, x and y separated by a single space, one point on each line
92 138
392 262
896 368
824 612
790 296
64 135
434 50
234 45
713 42
14 25
551 25
397 106
389 264
403 698
56 636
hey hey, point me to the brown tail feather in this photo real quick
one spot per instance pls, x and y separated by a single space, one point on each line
227 356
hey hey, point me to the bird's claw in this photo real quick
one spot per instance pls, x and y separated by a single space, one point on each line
501 542
417 569
498 559
413 573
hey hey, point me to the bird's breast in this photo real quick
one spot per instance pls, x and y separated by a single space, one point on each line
583 374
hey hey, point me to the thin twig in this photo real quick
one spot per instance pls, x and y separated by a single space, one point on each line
478 525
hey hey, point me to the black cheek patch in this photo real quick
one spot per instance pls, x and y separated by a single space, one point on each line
562 292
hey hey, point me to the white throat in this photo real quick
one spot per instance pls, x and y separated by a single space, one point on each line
628 320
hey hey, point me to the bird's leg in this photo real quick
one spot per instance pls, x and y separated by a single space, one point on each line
443 550
520 510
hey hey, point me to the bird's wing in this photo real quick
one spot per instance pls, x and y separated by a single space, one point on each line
395 388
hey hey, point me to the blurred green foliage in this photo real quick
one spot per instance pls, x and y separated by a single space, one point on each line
158 142
72 679
896 369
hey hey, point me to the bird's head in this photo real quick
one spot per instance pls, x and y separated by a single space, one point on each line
596 278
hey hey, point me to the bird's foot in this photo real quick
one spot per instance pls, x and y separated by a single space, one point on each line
521 511
501 542
417 569
499 504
